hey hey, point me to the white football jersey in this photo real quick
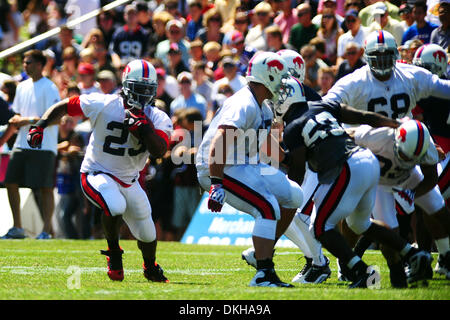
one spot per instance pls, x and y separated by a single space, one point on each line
241 111
380 141
394 98
112 149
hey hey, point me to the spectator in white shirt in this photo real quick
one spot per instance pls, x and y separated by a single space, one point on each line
356 33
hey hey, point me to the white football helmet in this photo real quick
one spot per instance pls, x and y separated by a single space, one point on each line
294 62
412 139
431 57
292 92
380 52
139 83
268 68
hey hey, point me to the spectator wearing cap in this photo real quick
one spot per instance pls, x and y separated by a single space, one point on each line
212 25
176 64
286 18
304 30
87 83
441 35
352 59
130 41
188 98
366 14
65 40
274 39
240 51
175 34
328 4
256 37
421 29
382 21
161 92
356 33
107 81
241 23
195 20
405 12
232 77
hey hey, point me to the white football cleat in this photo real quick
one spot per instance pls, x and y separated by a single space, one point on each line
268 278
249 257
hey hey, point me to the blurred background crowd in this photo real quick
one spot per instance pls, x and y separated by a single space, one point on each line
201 50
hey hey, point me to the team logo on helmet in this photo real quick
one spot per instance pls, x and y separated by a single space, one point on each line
439 55
402 134
275 64
298 61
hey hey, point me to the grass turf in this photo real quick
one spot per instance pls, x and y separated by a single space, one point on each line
47 270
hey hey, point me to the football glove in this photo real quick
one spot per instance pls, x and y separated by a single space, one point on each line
216 197
35 136
134 121
405 199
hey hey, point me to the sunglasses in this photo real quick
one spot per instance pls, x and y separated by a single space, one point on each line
240 21
350 20
174 31
351 53
217 19
328 17
262 14
27 62
300 14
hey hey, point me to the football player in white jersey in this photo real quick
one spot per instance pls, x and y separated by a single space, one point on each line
126 129
400 152
233 171
316 269
384 86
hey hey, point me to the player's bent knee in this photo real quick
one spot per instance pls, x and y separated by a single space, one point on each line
358 227
265 228
142 229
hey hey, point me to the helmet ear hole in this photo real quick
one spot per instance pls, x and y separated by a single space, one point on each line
271 78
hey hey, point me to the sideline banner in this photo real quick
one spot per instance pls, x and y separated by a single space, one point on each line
228 227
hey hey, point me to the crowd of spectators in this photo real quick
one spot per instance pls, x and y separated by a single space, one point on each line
201 50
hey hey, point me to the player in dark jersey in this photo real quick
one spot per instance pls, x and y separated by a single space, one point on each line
317 137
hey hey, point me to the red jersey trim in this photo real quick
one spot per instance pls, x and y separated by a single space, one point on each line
74 107
163 135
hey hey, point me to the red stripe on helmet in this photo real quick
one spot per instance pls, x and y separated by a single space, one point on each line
420 138
145 69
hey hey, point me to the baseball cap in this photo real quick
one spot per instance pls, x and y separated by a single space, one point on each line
379 8
130 7
404 8
161 72
351 13
106 75
236 37
86 68
228 61
184 76
263 7
174 22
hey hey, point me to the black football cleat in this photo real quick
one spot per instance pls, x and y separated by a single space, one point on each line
154 273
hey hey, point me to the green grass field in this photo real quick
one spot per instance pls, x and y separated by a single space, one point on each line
41 270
